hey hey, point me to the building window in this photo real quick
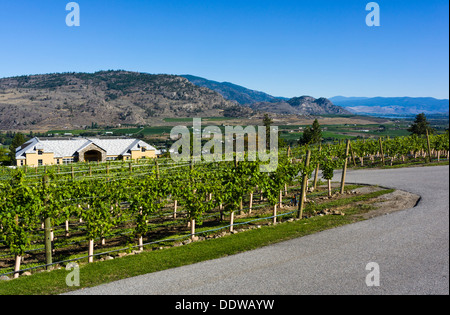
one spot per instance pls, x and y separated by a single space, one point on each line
40 163
111 158
68 161
57 161
40 152
143 149
21 162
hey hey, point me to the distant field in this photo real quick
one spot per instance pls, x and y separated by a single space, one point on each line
325 135
170 120
62 132
347 131
334 127
145 131
336 132
116 131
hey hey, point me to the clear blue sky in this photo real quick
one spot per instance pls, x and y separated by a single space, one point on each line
282 47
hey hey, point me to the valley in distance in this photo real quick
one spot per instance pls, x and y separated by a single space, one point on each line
124 103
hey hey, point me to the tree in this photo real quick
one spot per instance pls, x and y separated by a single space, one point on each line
4 157
420 126
267 121
312 135
18 140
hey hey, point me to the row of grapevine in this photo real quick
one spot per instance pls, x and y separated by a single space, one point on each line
103 203
401 148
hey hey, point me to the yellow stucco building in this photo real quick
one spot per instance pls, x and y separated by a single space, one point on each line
37 152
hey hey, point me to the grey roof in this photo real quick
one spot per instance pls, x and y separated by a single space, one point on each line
68 148
88 142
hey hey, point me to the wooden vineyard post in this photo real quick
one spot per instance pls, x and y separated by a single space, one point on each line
47 229
91 251
192 229
141 243
232 210
232 221
274 214
81 219
280 201
329 188
250 203
18 260
67 228
175 206
316 174
382 151
222 216
429 147
301 202
344 170
353 155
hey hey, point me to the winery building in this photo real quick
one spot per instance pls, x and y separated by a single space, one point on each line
37 152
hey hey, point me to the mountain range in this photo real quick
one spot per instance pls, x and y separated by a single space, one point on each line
230 91
263 102
338 105
393 106
108 98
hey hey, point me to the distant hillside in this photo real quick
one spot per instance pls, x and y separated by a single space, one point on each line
263 102
320 106
74 100
304 105
392 105
233 92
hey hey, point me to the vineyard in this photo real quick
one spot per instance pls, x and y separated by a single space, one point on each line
83 212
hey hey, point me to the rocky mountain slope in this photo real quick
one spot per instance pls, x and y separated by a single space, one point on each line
304 105
260 101
312 106
233 92
75 100
110 98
